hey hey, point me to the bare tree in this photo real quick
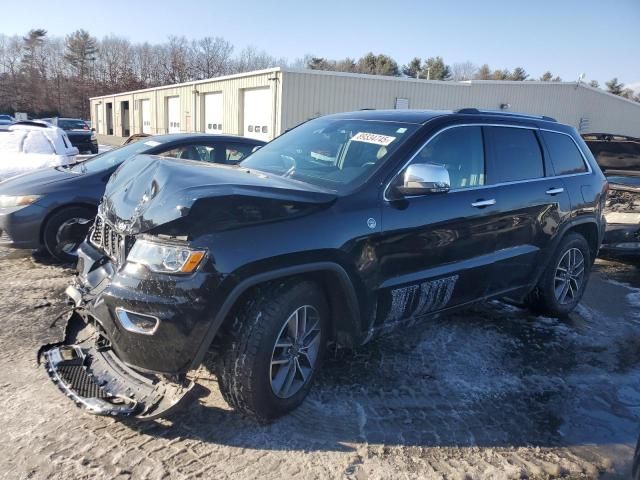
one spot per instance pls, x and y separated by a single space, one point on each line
211 57
463 71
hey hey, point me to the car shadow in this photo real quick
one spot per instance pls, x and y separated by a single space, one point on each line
494 375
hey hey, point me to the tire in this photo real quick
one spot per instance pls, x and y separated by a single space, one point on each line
73 221
94 150
547 298
247 378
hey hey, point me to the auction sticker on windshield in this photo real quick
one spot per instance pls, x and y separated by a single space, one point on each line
374 138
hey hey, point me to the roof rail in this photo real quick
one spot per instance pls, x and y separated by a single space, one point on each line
500 112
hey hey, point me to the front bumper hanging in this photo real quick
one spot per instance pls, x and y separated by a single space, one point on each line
93 377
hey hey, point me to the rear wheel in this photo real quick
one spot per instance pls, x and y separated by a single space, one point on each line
275 347
65 230
564 281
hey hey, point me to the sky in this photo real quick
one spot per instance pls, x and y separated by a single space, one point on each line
567 37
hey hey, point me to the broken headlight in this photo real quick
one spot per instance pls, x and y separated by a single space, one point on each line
17 201
165 258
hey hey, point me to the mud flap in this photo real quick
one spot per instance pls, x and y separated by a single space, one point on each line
95 379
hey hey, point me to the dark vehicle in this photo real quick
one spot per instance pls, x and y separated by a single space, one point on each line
619 159
82 137
5 123
345 227
54 208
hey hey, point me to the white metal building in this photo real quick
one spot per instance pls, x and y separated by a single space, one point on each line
264 103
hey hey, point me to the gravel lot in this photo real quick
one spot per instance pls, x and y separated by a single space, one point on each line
490 393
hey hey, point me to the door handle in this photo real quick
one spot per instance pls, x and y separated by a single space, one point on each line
554 191
483 203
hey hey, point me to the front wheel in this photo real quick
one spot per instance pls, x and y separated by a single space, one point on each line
65 230
274 349
563 283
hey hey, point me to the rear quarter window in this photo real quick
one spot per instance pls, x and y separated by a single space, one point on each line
565 155
515 154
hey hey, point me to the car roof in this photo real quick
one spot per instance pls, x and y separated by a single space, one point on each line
172 137
404 116
423 116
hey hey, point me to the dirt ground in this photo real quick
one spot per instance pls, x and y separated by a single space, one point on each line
493 392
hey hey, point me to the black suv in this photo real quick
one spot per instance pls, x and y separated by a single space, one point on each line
347 226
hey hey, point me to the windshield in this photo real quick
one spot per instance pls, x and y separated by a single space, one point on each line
72 125
337 154
113 158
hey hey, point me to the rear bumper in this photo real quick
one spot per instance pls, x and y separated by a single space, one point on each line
621 239
20 226
84 145
93 377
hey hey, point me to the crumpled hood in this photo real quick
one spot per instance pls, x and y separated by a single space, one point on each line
148 191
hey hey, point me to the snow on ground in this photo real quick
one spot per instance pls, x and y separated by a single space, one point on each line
492 392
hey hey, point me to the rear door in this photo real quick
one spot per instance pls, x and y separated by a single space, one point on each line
531 204
436 250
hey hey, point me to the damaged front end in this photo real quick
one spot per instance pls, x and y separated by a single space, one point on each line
86 369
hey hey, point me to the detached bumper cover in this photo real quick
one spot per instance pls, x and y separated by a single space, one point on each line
95 379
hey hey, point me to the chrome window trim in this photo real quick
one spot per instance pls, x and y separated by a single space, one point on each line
480 187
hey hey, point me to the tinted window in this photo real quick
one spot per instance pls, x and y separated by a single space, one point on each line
235 152
460 150
516 154
565 156
616 154
114 157
200 153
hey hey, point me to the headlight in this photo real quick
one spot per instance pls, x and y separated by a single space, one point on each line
164 258
17 201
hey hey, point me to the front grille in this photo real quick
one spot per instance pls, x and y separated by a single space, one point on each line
77 378
105 237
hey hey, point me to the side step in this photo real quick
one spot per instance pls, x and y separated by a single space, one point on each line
97 381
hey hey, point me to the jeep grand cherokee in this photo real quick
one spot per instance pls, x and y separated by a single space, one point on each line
345 227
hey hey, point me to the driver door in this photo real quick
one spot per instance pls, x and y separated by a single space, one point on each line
436 250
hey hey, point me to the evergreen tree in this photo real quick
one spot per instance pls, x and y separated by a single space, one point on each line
483 73
519 74
435 69
413 68
615 87
546 76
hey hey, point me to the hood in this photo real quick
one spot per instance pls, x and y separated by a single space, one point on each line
39 181
148 191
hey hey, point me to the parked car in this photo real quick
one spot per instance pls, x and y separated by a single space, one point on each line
81 135
54 208
5 124
407 215
29 146
7 118
619 159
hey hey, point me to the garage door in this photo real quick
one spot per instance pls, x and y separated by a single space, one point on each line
213 113
99 111
173 114
145 116
258 113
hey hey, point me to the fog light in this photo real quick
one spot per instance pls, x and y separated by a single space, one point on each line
136 322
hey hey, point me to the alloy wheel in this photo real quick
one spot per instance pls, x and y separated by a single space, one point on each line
66 245
296 352
569 276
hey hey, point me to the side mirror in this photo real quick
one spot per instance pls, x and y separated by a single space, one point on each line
424 178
